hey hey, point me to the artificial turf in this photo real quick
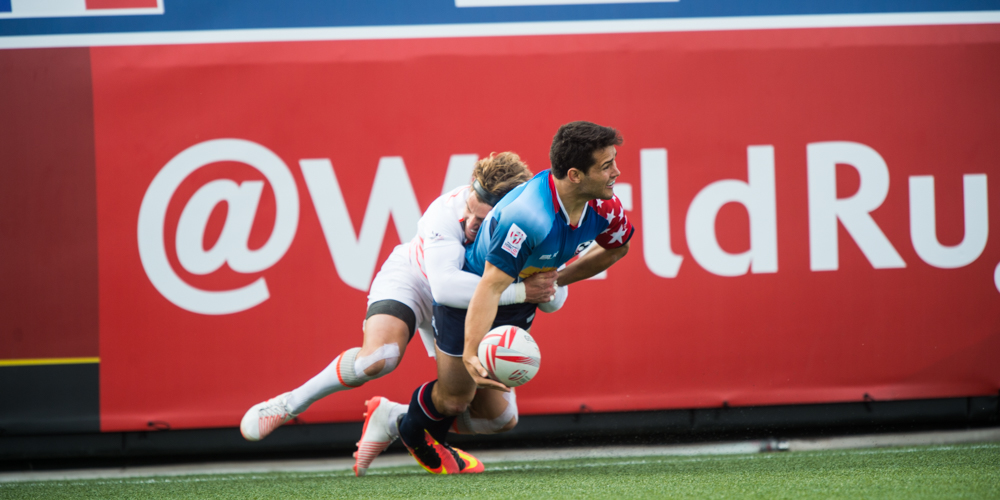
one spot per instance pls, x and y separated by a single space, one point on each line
954 471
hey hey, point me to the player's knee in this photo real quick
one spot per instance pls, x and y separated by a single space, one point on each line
451 405
380 362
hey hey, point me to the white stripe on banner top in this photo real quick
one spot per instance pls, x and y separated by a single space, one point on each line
77 8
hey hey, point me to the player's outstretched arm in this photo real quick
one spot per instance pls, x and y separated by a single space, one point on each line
482 312
453 287
591 263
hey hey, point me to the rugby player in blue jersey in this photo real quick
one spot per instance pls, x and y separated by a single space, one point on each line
537 227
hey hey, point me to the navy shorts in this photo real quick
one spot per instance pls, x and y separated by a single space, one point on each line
449 324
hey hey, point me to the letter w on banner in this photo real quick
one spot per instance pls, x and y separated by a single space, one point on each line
354 256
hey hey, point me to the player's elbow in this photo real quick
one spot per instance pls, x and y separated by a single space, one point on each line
620 252
444 295
450 299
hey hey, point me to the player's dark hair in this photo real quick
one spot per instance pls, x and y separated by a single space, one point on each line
497 175
575 143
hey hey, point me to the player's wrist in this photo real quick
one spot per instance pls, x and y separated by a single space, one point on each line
516 293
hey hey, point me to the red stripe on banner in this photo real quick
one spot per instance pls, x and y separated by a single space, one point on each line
121 4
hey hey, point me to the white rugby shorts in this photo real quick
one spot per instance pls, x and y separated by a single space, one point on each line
402 281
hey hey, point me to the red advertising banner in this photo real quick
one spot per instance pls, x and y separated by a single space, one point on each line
816 213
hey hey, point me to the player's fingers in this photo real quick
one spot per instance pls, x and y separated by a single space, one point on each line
485 383
477 366
481 377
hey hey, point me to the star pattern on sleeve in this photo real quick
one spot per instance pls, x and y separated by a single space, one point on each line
619 229
611 216
616 237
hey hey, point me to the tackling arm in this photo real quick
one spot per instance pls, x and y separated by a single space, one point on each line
453 287
591 263
482 312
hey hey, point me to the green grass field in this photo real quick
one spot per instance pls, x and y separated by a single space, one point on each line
955 471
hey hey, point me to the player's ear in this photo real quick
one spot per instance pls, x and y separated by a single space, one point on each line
574 175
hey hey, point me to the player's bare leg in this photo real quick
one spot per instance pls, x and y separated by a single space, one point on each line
385 339
454 389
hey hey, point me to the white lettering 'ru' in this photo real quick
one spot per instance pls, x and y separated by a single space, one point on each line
825 209
923 222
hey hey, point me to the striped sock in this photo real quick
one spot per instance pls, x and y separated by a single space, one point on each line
421 415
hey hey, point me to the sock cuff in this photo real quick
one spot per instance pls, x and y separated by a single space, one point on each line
345 369
426 402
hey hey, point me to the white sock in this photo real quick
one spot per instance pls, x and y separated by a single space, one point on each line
394 412
338 376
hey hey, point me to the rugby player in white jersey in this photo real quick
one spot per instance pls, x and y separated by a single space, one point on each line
417 274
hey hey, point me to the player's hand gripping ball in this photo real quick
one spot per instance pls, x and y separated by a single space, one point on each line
510 355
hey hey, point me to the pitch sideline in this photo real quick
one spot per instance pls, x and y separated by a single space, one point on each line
521 455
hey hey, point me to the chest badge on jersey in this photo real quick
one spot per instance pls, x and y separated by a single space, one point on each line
515 238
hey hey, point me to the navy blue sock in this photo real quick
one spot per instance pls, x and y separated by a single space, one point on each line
423 415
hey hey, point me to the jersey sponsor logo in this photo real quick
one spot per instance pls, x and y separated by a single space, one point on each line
515 238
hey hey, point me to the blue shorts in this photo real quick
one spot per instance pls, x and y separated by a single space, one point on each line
449 324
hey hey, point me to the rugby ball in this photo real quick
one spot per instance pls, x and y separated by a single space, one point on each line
510 355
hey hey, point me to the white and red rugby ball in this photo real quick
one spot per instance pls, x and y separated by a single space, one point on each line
510 355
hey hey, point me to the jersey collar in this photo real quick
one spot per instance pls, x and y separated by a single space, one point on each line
558 207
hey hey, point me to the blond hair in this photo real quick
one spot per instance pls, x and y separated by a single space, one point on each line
501 172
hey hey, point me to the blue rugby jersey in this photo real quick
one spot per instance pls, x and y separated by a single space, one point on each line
528 231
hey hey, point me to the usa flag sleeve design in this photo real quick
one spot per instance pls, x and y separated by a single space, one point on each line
619 230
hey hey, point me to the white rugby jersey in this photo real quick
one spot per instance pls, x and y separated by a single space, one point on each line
437 252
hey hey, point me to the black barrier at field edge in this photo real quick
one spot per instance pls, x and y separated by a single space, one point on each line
585 427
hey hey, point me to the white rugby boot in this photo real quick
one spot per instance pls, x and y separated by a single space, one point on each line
375 437
263 418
